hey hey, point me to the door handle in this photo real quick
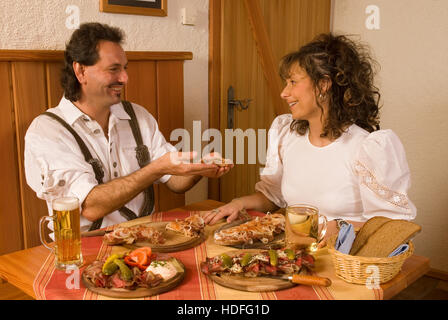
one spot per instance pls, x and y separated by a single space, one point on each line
232 103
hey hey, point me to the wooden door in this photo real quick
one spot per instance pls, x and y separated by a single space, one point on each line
247 40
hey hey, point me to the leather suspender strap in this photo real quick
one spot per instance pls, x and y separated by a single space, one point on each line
143 158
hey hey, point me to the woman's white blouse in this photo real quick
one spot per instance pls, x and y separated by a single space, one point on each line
358 176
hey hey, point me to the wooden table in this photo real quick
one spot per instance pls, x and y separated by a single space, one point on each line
21 267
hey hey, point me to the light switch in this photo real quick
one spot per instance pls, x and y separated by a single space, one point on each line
188 16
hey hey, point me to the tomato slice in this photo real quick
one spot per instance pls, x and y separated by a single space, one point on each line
146 250
128 260
139 257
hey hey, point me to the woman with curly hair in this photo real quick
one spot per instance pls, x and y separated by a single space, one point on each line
329 151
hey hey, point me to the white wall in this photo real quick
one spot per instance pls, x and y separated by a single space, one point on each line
412 48
38 24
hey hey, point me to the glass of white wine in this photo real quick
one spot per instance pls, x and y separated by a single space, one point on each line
302 229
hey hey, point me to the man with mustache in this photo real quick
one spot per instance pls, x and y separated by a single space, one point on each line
106 152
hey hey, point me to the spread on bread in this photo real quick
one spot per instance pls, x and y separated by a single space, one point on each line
262 229
192 226
255 264
129 235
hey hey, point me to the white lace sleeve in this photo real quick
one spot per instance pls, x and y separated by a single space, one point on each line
271 175
384 177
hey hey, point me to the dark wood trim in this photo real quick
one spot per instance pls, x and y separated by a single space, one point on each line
58 55
214 80
162 12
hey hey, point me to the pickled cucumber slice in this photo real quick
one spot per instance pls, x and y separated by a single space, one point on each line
226 260
246 259
273 257
126 273
109 267
290 254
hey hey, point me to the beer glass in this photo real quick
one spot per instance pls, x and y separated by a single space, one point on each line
302 227
67 233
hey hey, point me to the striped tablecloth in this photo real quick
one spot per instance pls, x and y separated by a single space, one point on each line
54 284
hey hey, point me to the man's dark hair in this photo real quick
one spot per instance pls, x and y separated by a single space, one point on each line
83 48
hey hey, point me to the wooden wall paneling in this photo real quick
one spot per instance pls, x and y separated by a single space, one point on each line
54 89
11 234
29 91
170 110
141 89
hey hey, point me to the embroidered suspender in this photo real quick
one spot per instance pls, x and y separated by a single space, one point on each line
142 155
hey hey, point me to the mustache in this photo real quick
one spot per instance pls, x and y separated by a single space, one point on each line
116 84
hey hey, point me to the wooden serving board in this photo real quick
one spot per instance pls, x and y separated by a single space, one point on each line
257 284
141 292
174 241
276 243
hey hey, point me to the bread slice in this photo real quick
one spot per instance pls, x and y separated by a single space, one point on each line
366 231
388 237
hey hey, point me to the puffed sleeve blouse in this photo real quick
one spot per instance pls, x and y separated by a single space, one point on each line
356 177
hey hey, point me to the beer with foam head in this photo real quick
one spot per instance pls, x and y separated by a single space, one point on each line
67 234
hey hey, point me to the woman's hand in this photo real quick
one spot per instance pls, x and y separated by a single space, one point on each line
230 210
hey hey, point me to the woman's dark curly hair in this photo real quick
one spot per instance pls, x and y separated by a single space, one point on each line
353 97
83 48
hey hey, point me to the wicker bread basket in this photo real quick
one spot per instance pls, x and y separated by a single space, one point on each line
355 269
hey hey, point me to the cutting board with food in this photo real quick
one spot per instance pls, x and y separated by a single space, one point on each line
136 274
160 236
258 270
267 232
